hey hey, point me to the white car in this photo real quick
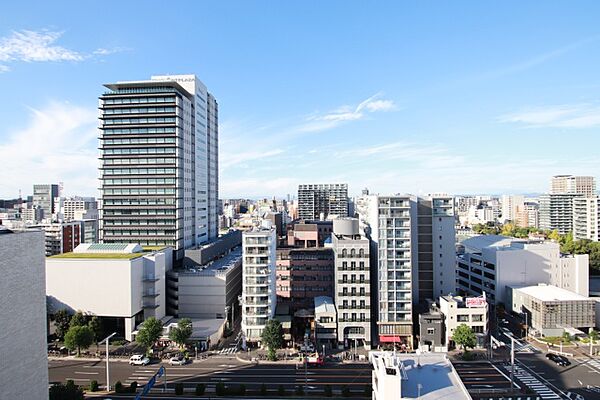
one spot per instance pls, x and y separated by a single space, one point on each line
139 359
178 360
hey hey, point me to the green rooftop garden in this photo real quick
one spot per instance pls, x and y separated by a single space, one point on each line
126 256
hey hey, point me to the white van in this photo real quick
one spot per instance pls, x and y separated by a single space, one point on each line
139 359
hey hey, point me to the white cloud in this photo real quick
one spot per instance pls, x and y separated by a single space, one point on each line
559 116
230 158
32 46
59 144
105 52
40 46
344 114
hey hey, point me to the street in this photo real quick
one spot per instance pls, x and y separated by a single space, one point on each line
216 369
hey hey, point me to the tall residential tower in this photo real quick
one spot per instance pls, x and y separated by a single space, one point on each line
327 199
159 171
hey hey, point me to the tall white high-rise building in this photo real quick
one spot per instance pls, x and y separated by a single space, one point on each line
511 206
556 211
569 184
259 296
414 239
159 172
586 218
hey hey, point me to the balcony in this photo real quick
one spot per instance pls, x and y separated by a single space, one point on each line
150 278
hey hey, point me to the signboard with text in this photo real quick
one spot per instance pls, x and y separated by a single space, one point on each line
475 302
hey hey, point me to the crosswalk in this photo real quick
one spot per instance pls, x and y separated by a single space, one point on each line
543 391
594 363
228 350
141 375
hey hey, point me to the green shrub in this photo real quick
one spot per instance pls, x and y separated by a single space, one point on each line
220 389
299 391
200 389
328 392
93 386
263 390
179 388
133 387
242 390
345 391
368 390
281 390
119 387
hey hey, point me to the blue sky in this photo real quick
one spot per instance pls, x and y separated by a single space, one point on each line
418 97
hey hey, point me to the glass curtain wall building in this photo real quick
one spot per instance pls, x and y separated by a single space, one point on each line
159 163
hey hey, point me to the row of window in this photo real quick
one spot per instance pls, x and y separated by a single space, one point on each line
118 222
139 171
148 150
140 181
151 120
142 110
150 232
139 141
135 131
110 161
139 212
139 202
139 191
139 100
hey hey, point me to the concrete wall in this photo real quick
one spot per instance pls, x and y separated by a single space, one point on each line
23 350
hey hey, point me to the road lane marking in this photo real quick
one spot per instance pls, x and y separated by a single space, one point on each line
87 373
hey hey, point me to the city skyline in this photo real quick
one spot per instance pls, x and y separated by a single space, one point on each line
485 109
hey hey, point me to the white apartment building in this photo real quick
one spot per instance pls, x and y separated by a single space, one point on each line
159 154
413 242
569 184
259 296
586 218
325 321
491 263
512 205
328 200
77 208
556 211
529 216
121 282
24 359
472 312
352 283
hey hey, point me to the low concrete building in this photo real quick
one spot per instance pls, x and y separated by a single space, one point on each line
207 291
491 263
120 283
415 376
23 354
471 311
309 233
432 331
325 322
549 310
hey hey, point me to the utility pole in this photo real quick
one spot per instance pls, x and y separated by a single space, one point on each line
306 374
512 362
107 364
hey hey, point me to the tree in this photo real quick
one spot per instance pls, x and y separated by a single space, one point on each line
149 333
62 318
464 336
593 336
78 319
554 235
182 332
96 326
78 337
70 391
272 337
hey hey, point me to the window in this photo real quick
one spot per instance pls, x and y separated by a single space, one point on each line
462 318
430 331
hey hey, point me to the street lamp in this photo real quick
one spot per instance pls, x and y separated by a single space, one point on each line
106 339
227 316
